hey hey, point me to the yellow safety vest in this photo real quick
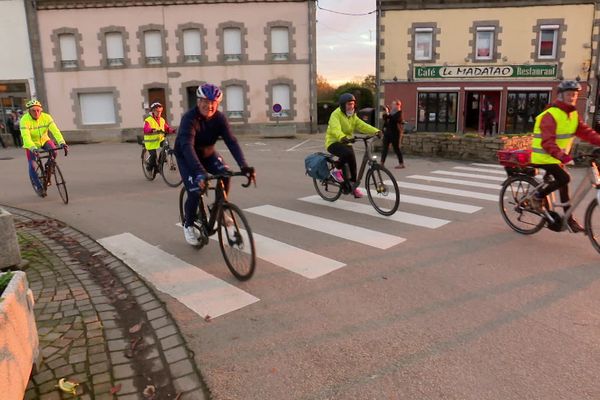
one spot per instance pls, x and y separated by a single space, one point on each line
152 141
566 126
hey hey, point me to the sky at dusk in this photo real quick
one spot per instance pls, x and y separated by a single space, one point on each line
345 43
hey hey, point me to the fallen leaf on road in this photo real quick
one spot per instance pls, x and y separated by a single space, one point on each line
150 391
115 389
136 328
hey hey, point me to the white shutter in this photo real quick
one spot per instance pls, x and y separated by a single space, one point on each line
232 38
281 95
280 40
97 108
114 45
153 44
192 45
68 47
234 98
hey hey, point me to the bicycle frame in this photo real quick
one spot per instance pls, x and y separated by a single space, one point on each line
583 188
214 208
368 159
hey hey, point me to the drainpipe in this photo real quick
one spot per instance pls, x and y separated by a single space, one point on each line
312 79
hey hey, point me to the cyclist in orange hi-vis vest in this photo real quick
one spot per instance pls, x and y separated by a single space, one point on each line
554 131
35 126
155 128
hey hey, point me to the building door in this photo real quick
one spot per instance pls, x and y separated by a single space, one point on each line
158 94
191 96
522 108
476 104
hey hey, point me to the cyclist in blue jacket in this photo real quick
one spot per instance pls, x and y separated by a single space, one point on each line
199 130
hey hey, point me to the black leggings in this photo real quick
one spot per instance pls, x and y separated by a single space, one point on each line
394 140
561 181
346 155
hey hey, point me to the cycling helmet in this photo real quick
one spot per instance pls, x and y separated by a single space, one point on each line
155 104
32 103
565 86
344 98
210 92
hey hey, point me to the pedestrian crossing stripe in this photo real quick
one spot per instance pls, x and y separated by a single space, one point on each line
398 216
455 181
490 166
201 292
468 175
357 234
444 190
498 170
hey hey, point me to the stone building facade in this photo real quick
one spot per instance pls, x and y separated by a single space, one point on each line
449 61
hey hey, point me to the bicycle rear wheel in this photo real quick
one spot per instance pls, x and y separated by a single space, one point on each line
40 191
515 209
236 242
329 189
60 184
592 224
168 168
145 158
382 190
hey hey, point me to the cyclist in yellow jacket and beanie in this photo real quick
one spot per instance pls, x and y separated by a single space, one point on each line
343 121
35 126
554 131
155 128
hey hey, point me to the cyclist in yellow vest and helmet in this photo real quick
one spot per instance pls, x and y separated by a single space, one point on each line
34 126
155 128
554 131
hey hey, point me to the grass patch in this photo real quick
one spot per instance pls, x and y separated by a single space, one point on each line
4 279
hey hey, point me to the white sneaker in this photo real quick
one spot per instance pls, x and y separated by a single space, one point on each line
190 235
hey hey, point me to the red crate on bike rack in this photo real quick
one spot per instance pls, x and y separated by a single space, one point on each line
514 158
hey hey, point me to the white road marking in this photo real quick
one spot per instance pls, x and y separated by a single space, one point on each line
495 166
488 170
443 190
298 145
455 181
201 292
473 176
398 216
350 232
446 205
302 262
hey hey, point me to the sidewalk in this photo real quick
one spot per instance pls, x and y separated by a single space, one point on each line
99 323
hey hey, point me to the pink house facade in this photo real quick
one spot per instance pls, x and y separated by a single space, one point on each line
103 62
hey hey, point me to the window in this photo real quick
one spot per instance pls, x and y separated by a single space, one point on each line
437 111
484 43
548 40
281 95
114 49
234 99
97 108
423 43
192 45
153 47
522 108
280 47
232 48
68 50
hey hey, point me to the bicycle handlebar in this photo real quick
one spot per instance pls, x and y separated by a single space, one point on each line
44 151
249 176
364 138
595 154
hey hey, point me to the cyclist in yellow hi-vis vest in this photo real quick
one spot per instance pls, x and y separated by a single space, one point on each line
155 128
554 131
35 125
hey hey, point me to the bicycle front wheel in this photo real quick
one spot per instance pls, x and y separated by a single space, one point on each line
592 224
516 209
60 184
41 190
149 174
236 242
382 190
169 170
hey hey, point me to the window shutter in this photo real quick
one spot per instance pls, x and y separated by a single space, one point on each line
97 108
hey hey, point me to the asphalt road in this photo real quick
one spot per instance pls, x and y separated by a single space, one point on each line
466 309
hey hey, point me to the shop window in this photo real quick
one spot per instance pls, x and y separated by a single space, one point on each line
484 43
423 44
437 111
548 40
522 108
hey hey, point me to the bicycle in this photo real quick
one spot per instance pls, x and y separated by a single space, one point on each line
166 164
46 170
382 188
516 200
226 219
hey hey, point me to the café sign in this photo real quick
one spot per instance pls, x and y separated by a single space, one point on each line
485 71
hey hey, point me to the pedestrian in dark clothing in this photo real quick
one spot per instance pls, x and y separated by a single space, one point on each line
1 129
489 116
13 128
393 133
